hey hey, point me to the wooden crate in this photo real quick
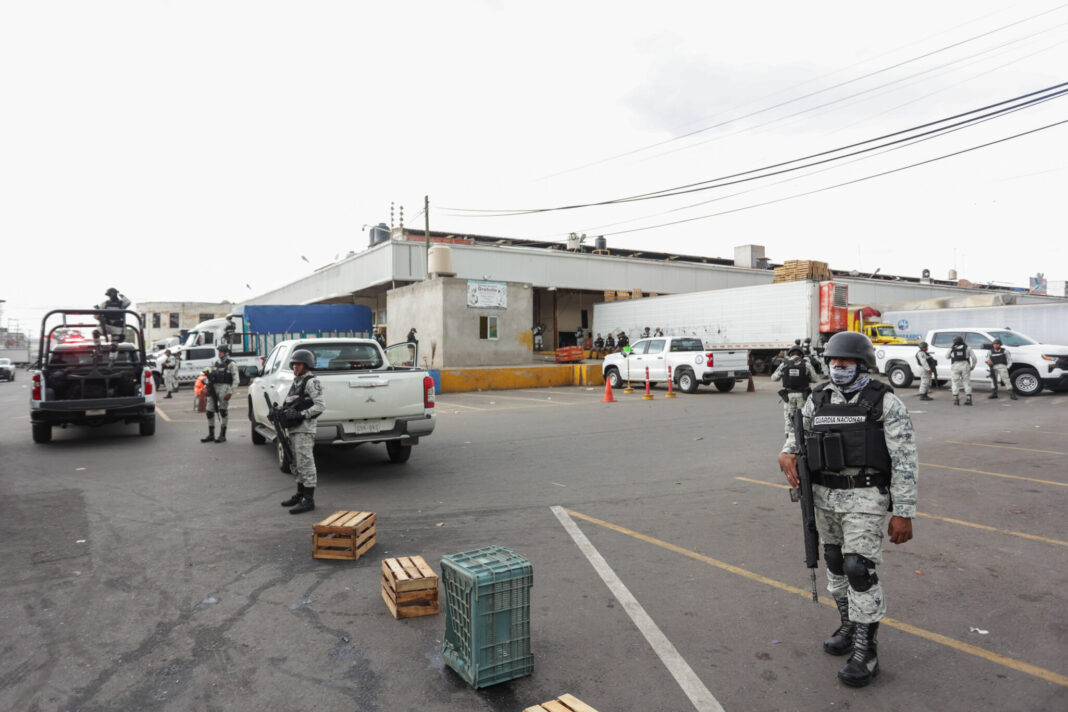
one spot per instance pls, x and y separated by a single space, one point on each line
344 535
609 295
563 703
797 270
622 294
636 293
409 587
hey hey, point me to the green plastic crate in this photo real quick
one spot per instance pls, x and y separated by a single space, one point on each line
487 615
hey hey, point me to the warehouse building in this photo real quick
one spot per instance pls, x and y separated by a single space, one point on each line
528 283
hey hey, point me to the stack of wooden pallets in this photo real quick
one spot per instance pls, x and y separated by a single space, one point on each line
799 270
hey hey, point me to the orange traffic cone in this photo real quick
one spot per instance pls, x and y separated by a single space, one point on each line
608 392
751 388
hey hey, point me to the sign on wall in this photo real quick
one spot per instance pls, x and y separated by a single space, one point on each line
487 295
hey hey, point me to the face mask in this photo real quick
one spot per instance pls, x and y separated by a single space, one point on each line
843 375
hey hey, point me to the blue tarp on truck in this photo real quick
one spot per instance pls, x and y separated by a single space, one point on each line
291 319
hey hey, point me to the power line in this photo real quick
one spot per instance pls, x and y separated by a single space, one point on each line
844 183
722 181
813 93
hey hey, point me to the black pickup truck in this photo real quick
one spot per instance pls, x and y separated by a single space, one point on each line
85 377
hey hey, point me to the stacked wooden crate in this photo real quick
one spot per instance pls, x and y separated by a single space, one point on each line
799 270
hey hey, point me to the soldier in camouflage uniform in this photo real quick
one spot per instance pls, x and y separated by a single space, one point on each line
999 362
796 375
962 360
170 372
300 411
857 479
223 378
927 371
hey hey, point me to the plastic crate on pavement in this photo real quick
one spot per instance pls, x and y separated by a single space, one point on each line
487 615
563 703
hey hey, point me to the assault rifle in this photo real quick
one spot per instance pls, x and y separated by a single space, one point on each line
804 495
932 364
274 415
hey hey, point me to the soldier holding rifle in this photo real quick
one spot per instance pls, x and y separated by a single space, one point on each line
295 423
855 480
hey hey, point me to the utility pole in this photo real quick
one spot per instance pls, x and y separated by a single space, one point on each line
426 224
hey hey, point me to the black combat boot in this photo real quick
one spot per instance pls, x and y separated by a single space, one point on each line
295 499
166 396
211 436
1012 394
841 640
925 397
222 435
994 394
307 502
863 666
968 399
956 400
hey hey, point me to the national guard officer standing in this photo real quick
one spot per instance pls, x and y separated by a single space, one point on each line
300 411
856 479
796 375
229 330
999 362
962 360
222 379
927 371
114 326
170 372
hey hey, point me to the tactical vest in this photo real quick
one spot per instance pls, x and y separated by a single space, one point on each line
999 358
958 352
925 360
220 373
795 375
850 434
297 399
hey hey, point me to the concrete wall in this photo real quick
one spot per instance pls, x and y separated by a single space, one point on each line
463 347
419 305
188 316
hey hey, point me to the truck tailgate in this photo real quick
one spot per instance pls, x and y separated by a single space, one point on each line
372 395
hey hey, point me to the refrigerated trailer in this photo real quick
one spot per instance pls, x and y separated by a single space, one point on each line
1045 323
764 319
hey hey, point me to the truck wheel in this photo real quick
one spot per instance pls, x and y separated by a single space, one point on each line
687 381
614 378
900 376
283 464
42 433
725 385
398 453
147 427
1026 382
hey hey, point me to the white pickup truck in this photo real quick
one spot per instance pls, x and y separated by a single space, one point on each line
690 362
192 360
1034 366
372 395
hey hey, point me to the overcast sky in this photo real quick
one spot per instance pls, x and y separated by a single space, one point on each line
179 151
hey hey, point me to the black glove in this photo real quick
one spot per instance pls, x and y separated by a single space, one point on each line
291 417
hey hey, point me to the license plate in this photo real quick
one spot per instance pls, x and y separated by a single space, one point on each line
368 427
730 374
97 411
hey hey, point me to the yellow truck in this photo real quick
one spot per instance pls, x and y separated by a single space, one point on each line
866 321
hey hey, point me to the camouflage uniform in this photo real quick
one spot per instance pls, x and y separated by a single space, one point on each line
302 435
1000 371
926 377
221 390
962 373
794 399
170 374
853 518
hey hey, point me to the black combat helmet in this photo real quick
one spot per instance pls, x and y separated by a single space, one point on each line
302 356
958 340
923 346
223 348
795 350
851 344
997 341
112 292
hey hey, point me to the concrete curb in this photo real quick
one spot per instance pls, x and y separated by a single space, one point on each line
496 378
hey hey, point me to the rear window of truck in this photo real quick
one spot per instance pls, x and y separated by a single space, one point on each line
686 345
343 357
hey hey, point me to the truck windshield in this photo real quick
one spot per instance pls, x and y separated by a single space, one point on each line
344 357
5 362
686 345
1011 338
886 331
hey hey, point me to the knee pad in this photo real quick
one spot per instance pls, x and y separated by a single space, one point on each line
211 416
861 572
223 413
832 554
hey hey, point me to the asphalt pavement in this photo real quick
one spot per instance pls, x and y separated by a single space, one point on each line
159 573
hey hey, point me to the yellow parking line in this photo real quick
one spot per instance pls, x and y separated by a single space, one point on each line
963 523
1007 447
995 474
1018 665
162 414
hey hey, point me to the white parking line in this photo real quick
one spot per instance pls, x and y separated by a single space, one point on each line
699 695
